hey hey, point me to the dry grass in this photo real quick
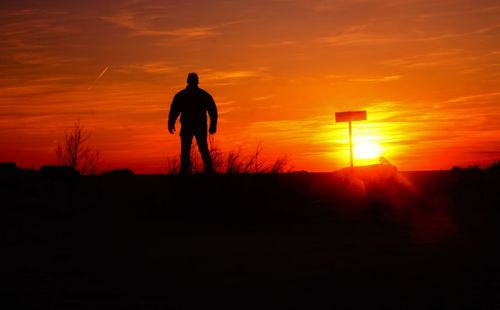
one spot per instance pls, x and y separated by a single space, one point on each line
230 162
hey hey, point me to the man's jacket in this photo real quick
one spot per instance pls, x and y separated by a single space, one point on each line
193 103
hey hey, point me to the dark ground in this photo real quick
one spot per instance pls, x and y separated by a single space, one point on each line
372 239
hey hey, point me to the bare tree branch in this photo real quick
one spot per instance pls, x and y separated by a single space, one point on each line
75 153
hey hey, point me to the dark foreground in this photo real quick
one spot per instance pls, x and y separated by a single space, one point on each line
375 239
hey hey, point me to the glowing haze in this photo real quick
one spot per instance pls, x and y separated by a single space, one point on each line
427 72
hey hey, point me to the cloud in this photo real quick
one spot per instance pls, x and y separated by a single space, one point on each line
377 79
262 98
35 37
334 76
186 33
432 58
477 97
452 35
142 25
212 75
299 130
156 67
222 103
357 35
355 38
22 29
41 58
391 30
274 44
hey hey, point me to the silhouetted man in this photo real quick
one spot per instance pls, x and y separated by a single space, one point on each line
193 103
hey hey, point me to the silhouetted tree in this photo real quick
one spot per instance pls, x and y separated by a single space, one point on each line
75 153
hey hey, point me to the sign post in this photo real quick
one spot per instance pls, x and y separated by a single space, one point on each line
349 117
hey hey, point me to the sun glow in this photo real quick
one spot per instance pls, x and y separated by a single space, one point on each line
370 141
367 150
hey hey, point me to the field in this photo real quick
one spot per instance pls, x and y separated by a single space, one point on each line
369 238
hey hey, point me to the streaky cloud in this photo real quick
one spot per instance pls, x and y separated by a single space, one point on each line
477 97
377 79
140 25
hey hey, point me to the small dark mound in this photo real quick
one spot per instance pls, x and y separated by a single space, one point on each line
9 168
377 171
119 173
60 173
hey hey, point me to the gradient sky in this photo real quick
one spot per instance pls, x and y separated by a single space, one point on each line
427 72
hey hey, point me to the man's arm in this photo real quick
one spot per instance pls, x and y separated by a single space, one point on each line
212 113
173 114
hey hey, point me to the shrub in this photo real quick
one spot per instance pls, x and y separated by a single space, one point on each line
231 162
75 153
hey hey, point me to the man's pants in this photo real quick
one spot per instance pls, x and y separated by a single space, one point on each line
201 140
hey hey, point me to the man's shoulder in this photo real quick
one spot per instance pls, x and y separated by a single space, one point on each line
180 92
187 93
181 95
204 92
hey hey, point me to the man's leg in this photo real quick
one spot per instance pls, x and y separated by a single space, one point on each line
201 140
186 140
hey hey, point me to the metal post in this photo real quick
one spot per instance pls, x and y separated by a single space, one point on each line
350 142
350 116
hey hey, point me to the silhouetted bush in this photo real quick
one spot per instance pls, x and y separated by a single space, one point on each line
216 155
171 166
75 153
279 164
474 167
231 162
495 166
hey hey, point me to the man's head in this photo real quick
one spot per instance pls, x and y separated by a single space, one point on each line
192 79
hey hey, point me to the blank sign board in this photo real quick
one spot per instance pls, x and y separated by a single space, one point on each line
350 116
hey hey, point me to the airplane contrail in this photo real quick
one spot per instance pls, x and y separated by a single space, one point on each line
97 79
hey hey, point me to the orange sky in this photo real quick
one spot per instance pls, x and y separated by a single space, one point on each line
427 72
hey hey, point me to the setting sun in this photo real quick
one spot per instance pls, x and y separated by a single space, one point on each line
367 150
